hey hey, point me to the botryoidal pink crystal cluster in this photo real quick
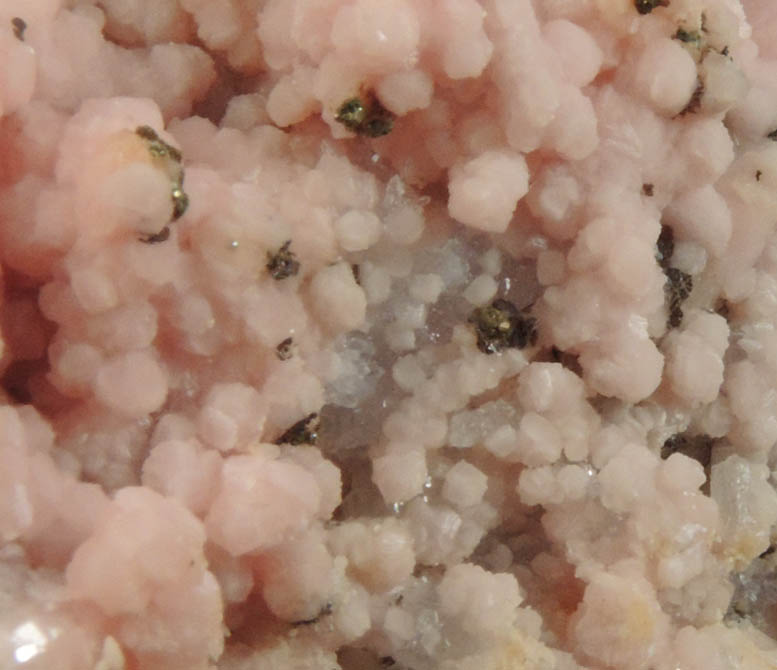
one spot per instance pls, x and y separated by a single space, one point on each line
388 334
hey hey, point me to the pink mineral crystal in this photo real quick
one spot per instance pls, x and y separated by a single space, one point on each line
367 334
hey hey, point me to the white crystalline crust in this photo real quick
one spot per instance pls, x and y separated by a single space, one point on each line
477 371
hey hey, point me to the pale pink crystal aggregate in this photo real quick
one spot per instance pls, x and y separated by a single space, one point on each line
351 462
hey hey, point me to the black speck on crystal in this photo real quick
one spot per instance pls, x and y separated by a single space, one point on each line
694 104
687 36
180 202
283 263
325 610
19 26
305 431
284 349
647 6
160 149
698 447
678 287
174 153
162 236
365 116
500 326
665 246
352 113
378 126
156 146
147 133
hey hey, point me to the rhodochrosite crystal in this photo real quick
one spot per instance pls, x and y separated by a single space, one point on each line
388 334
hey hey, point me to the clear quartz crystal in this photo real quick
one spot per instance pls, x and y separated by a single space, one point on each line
357 372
